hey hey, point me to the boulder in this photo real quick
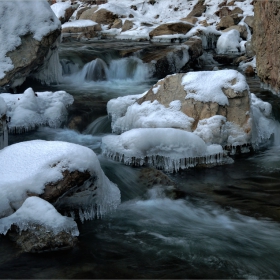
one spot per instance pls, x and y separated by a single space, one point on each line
26 52
171 88
128 24
228 21
198 9
249 20
171 29
226 11
249 71
117 23
80 11
68 13
101 16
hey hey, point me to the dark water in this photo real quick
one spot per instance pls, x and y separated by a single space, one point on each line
225 225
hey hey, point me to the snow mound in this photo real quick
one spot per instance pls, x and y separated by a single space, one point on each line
165 148
33 17
28 166
207 86
229 42
60 8
30 110
36 211
79 23
149 115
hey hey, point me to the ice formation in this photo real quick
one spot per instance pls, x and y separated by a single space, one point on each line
34 17
153 114
229 42
3 124
36 211
27 167
207 86
165 148
30 110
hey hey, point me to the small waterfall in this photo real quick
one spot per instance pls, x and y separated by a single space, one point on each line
94 70
69 67
100 125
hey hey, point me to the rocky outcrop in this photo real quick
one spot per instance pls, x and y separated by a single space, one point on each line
171 29
39 239
101 16
171 88
266 42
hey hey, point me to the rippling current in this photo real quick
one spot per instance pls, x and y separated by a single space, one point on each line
225 223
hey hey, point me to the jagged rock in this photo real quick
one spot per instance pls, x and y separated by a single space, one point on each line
38 239
117 23
171 89
266 41
68 13
241 28
170 29
101 16
128 24
198 9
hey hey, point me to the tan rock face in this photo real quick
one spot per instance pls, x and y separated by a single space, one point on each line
117 23
101 16
171 28
128 24
171 89
28 57
266 41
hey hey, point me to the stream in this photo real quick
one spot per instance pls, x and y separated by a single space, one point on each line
224 225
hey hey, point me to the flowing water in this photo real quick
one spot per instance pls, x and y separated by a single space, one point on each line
225 223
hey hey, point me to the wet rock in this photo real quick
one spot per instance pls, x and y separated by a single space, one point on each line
128 24
249 71
39 239
101 16
171 29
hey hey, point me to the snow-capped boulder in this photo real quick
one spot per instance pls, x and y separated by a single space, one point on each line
36 226
55 171
240 28
63 10
101 16
29 33
171 29
229 42
183 100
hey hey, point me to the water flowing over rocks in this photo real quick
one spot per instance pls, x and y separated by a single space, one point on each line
266 43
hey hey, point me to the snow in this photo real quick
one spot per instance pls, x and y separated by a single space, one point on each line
153 115
20 18
27 167
29 109
36 211
60 8
79 23
207 86
166 148
229 42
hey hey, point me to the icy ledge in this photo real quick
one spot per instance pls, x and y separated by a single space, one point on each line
36 211
165 148
27 167
30 110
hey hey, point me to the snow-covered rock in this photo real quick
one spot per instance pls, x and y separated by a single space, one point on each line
29 110
164 148
229 42
29 31
37 226
63 10
39 163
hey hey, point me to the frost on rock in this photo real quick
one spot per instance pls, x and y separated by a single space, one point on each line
38 212
153 114
28 17
229 42
165 148
207 86
30 110
27 167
